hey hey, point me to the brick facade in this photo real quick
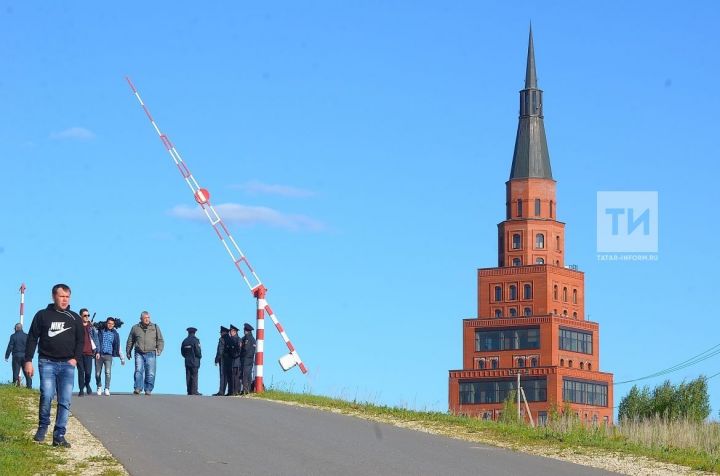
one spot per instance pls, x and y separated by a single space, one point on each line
531 316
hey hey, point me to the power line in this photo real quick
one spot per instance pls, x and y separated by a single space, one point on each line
711 352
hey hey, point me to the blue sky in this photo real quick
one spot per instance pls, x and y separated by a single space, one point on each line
358 152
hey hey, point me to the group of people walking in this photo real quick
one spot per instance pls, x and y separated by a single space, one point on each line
67 341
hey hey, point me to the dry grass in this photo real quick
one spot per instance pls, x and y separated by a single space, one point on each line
663 434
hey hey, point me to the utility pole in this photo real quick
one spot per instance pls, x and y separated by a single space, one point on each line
518 394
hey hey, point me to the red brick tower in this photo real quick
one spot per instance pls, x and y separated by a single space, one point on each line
531 315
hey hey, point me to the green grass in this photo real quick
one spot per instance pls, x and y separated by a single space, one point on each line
19 455
564 433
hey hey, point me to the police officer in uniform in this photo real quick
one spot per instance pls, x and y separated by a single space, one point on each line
190 349
231 360
219 361
247 356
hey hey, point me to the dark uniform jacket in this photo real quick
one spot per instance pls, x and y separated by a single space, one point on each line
247 352
190 349
16 346
231 352
220 349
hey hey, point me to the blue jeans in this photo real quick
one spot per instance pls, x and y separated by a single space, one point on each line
55 376
144 364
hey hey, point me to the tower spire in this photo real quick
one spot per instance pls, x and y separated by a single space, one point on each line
531 158
530 74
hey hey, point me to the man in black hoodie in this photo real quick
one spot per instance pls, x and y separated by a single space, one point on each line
59 333
16 347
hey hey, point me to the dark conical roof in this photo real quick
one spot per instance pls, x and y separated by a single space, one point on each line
531 158
530 74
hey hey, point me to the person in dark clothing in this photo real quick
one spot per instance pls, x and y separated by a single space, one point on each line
247 357
190 349
231 361
57 332
219 361
91 346
16 348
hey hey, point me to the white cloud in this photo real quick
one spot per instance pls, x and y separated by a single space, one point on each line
250 215
73 133
255 187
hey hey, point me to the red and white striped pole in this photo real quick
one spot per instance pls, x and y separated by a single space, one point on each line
22 303
259 292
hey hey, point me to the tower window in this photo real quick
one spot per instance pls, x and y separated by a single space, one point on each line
528 312
540 241
537 207
513 292
494 363
527 291
516 262
516 241
562 362
513 312
565 294
582 365
555 292
551 208
574 315
539 260
498 293
574 296
570 363
498 312
533 362
521 362
519 207
481 364
557 243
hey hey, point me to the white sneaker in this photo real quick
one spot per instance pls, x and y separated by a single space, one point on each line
107 392
99 392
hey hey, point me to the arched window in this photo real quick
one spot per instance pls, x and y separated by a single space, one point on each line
516 262
494 363
527 312
498 293
574 296
539 241
582 365
481 364
513 292
527 291
589 366
513 312
521 362
564 312
562 362
564 294
570 363
555 292
533 362
557 262
516 241
557 243
537 207
574 315
539 260
551 208
519 207
498 313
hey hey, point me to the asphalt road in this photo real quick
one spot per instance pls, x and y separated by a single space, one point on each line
179 435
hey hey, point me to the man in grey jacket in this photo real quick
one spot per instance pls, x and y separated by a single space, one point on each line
16 348
148 342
